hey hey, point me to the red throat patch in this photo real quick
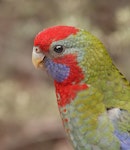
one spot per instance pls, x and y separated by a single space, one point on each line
67 90
49 35
66 94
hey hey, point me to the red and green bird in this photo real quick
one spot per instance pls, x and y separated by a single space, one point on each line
92 95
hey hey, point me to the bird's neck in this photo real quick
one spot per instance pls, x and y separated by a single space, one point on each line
67 93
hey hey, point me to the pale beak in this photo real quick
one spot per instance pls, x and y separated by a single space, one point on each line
37 58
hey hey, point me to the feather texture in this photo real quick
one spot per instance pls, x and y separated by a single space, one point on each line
92 95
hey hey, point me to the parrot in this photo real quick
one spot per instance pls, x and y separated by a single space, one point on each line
93 96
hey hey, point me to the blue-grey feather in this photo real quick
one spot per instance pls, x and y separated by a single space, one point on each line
59 72
124 139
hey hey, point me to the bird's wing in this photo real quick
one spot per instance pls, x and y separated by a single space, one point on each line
121 122
117 91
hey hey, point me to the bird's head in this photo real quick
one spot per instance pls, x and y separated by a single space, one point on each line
73 57
57 50
67 53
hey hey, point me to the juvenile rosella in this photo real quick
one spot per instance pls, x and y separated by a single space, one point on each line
92 95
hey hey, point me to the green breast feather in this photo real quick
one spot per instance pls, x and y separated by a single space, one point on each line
96 113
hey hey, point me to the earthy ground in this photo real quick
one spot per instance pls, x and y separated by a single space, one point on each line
29 118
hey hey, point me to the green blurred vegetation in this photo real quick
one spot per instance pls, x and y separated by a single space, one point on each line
27 94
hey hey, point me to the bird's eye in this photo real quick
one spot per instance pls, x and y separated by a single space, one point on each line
37 50
59 49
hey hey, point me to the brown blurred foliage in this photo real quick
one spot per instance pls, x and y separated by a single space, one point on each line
29 118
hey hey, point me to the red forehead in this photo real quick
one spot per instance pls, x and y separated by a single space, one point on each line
49 35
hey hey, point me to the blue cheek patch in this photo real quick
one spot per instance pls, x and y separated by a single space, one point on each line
124 139
59 72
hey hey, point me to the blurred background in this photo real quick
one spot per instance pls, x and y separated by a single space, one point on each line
29 117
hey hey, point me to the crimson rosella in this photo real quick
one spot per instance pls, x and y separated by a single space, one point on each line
92 95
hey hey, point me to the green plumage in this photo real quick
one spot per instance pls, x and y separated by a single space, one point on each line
91 128
103 75
93 96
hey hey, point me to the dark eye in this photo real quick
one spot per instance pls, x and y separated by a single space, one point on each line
58 48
